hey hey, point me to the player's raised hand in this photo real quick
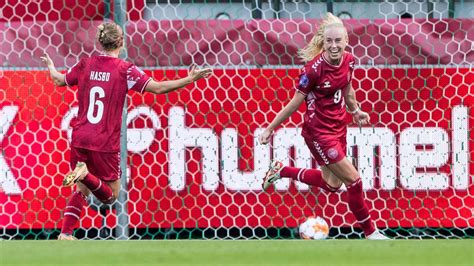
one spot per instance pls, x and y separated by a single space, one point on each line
197 74
361 118
47 60
264 138
58 78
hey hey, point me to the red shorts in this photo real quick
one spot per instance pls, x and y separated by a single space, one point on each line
328 151
103 165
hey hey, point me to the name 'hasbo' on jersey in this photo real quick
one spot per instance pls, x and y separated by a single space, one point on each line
100 76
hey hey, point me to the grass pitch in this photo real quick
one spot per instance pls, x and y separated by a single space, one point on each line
242 252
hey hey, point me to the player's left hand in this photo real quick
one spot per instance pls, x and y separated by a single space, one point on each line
361 118
197 74
47 60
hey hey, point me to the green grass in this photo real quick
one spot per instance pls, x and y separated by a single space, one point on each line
242 252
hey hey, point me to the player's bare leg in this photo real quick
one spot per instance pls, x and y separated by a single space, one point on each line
115 186
76 175
332 181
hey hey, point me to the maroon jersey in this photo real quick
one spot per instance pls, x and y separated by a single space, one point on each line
324 86
103 82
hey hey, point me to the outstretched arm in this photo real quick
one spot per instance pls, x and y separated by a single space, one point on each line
286 112
57 77
360 117
160 87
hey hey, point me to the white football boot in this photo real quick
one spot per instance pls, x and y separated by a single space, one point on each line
76 175
66 237
273 174
376 235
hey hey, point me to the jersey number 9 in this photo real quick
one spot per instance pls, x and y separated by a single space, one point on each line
337 96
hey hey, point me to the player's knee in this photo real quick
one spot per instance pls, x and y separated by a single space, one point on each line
332 183
333 188
83 189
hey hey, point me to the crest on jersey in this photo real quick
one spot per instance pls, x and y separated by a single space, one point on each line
304 81
332 153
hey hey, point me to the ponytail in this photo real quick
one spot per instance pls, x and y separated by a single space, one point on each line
315 46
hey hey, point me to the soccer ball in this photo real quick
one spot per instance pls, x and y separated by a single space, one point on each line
314 228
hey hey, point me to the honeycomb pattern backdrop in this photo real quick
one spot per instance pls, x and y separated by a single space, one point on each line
193 166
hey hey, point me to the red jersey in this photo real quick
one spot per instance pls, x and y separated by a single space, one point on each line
103 83
324 86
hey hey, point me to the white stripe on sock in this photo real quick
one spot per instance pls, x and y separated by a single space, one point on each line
354 183
97 188
368 217
77 209
72 214
300 174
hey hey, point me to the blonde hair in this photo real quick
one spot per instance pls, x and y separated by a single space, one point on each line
315 46
109 36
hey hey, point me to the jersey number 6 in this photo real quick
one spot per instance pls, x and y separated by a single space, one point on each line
95 95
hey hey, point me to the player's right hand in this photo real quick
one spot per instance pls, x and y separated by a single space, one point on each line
197 74
47 60
361 118
264 138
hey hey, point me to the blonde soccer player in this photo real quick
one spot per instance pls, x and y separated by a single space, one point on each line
325 86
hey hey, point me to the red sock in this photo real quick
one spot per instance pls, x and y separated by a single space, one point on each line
100 189
73 212
310 177
358 206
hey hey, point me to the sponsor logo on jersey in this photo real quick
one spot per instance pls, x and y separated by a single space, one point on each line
327 84
304 81
332 153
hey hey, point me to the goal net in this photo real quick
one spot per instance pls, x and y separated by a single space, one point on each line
193 167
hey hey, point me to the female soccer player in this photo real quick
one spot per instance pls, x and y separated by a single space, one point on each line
103 82
325 85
